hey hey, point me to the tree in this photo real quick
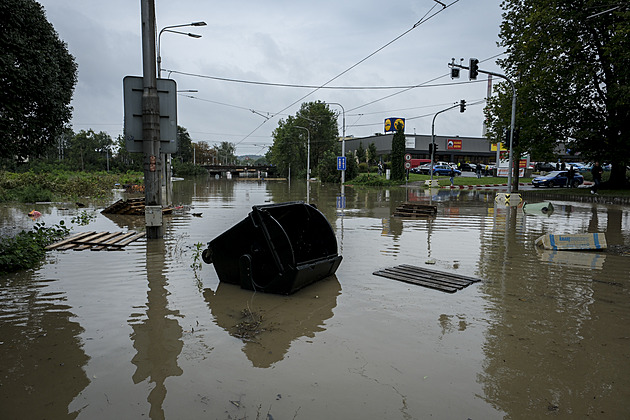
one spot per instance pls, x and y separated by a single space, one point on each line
371 153
204 154
360 153
398 154
184 150
123 160
37 75
225 152
289 147
571 68
89 150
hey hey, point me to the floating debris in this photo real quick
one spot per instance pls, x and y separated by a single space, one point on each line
445 282
96 241
415 210
133 206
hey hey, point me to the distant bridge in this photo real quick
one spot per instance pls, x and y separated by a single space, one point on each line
244 171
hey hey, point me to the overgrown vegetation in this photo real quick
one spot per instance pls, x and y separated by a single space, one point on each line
27 248
56 184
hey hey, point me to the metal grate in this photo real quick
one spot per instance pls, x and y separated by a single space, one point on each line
438 280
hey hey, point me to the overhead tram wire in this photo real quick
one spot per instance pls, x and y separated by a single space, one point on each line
421 21
426 84
477 102
298 86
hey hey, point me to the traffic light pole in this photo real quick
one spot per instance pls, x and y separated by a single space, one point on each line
512 121
433 136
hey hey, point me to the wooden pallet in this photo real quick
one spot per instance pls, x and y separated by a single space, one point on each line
439 280
133 206
97 241
415 210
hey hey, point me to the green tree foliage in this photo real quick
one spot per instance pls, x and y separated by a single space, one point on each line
125 161
290 144
361 153
572 73
398 154
225 153
372 154
37 75
88 150
185 150
204 154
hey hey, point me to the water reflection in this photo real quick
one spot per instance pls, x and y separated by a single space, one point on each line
269 323
548 317
41 355
157 338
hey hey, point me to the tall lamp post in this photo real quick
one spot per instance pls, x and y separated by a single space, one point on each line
343 140
308 162
166 171
308 151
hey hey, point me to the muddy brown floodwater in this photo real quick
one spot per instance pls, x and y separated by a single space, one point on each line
144 333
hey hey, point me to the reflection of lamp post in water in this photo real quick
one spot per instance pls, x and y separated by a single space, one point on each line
157 339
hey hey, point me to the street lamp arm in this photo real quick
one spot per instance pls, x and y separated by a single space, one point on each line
169 29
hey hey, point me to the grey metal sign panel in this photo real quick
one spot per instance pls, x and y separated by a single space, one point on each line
167 95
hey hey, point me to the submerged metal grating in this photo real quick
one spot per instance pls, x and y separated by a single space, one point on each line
438 280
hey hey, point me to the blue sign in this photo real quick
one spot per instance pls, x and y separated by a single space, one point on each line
341 201
341 163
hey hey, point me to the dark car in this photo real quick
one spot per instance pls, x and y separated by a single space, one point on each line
544 166
557 178
468 167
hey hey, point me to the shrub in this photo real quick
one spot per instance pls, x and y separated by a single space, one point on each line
26 249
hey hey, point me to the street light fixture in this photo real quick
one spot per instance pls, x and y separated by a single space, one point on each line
166 171
169 29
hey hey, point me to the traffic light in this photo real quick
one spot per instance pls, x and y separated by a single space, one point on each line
435 149
454 73
462 105
430 148
474 69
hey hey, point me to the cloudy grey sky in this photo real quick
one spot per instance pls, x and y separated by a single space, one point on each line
285 42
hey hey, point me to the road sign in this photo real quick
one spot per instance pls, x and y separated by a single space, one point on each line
341 163
408 156
407 165
133 89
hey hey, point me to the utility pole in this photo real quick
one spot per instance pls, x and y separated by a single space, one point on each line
151 125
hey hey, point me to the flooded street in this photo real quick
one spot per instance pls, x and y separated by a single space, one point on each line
146 333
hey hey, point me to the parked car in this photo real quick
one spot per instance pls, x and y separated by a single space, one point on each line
423 169
445 170
579 167
557 178
468 167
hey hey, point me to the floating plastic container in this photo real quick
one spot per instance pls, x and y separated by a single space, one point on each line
277 248
574 242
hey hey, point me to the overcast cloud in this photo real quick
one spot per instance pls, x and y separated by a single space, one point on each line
288 42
